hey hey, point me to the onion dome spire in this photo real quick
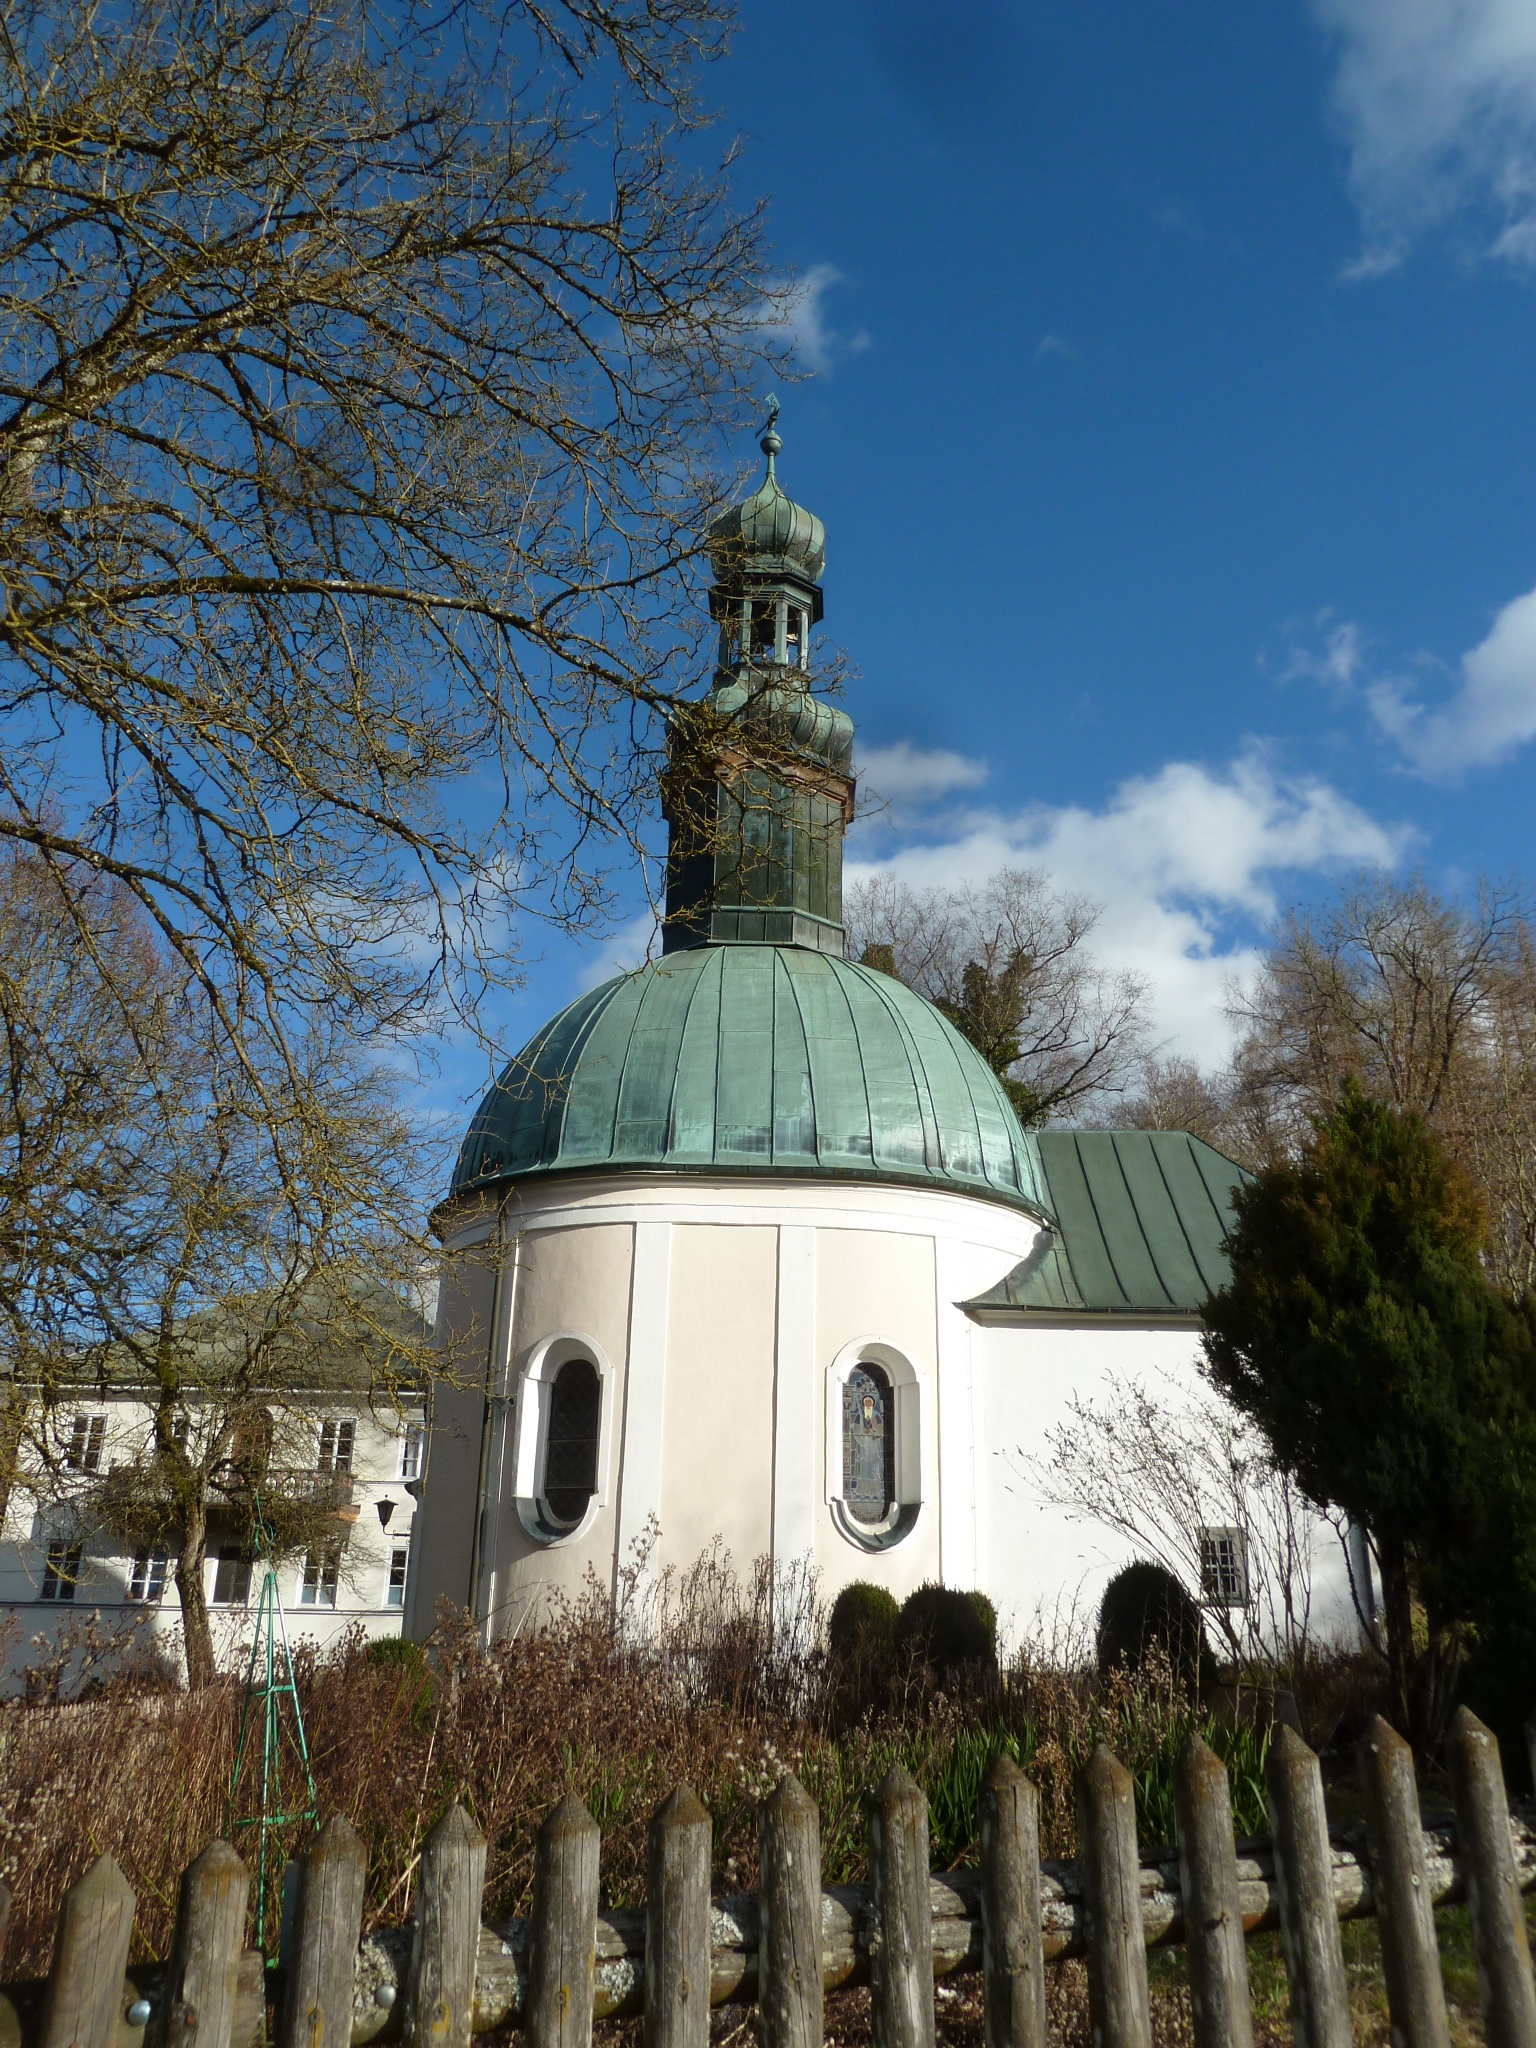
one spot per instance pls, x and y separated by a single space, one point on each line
760 788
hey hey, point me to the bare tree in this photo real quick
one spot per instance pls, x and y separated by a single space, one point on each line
358 370
220 1251
1431 1005
1165 1474
1010 965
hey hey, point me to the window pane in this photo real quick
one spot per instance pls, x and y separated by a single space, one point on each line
869 1444
231 1578
346 1437
410 1451
399 1557
61 1569
570 1457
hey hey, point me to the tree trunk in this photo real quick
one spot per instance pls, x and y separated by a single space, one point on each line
196 1633
1397 1613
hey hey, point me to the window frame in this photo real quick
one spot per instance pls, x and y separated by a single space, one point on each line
530 1433
321 1574
148 1570
1211 1570
63 1569
413 1439
87 1441
908 1401
399 1555
240 1598
336 1432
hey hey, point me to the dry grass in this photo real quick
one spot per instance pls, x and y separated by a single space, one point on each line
708 1679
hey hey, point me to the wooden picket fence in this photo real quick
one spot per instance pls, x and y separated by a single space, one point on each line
446 1975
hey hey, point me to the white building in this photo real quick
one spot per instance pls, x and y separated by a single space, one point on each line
752 1245
60 1568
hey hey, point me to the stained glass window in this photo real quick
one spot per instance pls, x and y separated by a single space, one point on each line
869 1444
570 1455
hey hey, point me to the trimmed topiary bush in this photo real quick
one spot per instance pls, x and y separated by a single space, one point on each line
863 1620
1145 1605
950 1627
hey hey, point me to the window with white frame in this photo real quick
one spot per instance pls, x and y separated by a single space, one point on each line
559 1437
874 1448
146 1575
87 1438
399 1565
61 1569
338 1439
322 1574
231 1577
413 1448
1224 1567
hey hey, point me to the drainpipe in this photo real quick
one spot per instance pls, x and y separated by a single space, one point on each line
477 1539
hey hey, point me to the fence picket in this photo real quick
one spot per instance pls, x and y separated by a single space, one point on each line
440 1990
327 1918
789 1995
564 1947
900 1941
84 2006
1213 1915
1488 1869
1012 1954
1309 1927
1119 2004
677 1924
1400 1888
202 1979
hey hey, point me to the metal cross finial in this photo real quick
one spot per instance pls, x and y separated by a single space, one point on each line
770 444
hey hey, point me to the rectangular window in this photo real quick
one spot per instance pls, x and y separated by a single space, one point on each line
61 1570
232 1577
336 1444
87 1436
413 1447
322 1569
1224 1567
399 1559
146 1579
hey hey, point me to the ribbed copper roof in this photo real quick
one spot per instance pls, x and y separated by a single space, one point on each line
1138 1221
754 1059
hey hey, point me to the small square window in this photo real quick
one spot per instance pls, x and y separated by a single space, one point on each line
337 1440
87 1436
1224 1567
413 1447
399 1562
146 1579
61 1570
322 1571
232 1577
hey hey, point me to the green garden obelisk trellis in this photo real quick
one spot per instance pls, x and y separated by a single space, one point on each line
268 1686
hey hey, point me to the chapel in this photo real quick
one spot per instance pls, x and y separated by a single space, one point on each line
749 1248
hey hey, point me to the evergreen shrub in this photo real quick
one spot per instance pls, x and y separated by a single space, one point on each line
949 1626
1144 1606
863 1620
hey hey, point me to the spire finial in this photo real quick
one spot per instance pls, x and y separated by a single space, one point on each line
770 444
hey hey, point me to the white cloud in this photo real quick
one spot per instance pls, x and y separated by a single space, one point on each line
1492 712
1184 862
904 774
1337 661
796 312
1437 101
1054 345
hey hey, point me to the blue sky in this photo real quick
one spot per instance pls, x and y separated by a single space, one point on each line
1173 419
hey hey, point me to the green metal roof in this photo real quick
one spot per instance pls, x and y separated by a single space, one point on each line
754 1059
1139 1217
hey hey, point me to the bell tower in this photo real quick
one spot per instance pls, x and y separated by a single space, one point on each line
760 788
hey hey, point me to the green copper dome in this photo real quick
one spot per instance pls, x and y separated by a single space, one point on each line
764 1060
769 531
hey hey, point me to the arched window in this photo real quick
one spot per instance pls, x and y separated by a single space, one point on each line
874 1444
570 1443
869 1444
